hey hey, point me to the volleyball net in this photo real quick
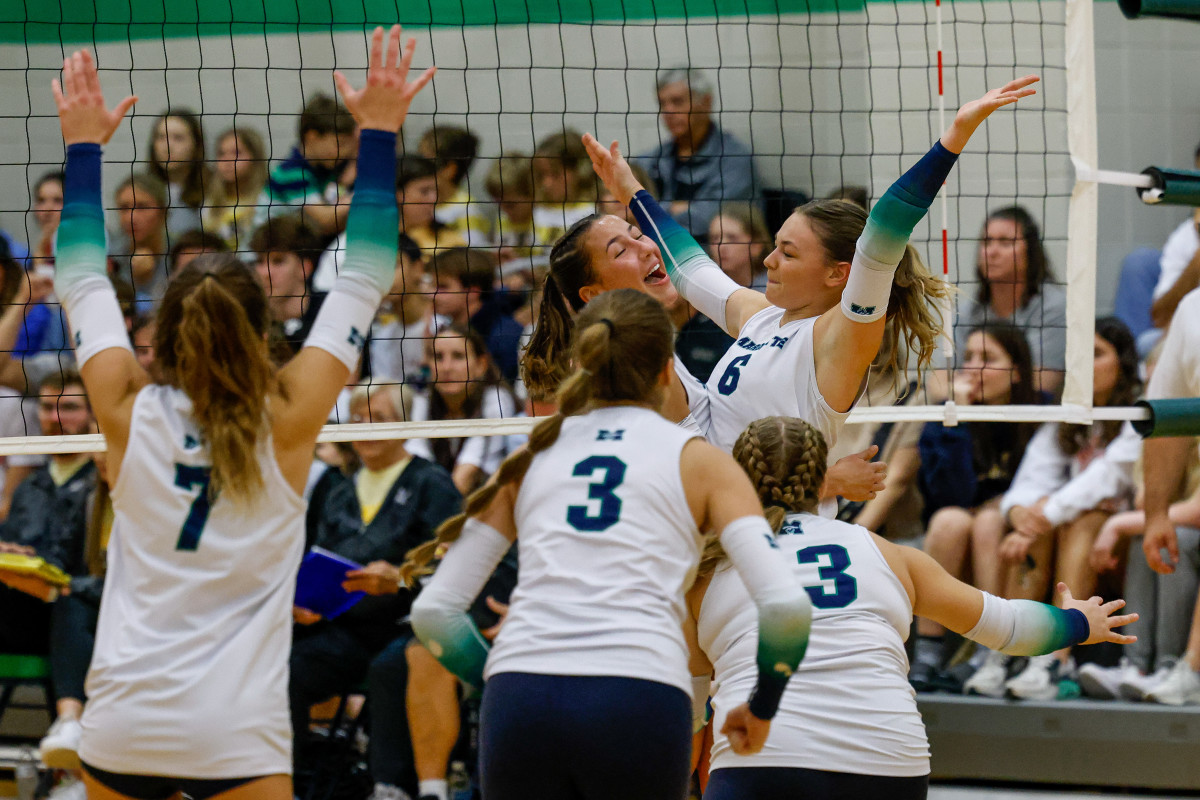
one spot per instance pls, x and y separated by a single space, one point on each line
827 95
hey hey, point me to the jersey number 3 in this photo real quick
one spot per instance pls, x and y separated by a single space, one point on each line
613 473
832 560
191 478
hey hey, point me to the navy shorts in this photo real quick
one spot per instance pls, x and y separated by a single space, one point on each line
154 787
566 737
796 783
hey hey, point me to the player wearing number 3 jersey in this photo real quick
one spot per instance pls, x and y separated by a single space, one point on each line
187 690
588 687
848 724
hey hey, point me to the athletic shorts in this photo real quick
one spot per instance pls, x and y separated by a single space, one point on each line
156 787
797 783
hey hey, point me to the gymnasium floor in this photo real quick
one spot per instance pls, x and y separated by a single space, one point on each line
965 792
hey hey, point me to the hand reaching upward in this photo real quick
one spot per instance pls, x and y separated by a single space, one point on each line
81 109
383 103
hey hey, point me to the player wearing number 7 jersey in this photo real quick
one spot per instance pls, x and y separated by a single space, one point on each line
848 724
187 690
587 689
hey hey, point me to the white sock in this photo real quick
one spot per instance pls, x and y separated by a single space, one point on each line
438 789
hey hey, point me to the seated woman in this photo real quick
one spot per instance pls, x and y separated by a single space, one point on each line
964 470
1071 480
463 384
1016 285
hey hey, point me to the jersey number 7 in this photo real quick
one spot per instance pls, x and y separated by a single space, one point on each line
190 478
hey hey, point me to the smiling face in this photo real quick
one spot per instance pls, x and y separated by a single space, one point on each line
456 366
801 276
624 258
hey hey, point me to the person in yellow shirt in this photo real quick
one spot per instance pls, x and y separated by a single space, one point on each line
452 150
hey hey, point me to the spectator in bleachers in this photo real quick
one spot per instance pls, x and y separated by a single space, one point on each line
964 471
1016 284
239 177
47 210
452 150
18 417
177 158
42 507
140 249
189 244
510 183
566 184
142 339
700 166
405 323
1071 479
285 250
327 141
466 296
395 502
1179 266
852 194
738 241
464 383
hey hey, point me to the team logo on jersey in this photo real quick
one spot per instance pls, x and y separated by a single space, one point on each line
864 311
746 343
190 442
791 528
611 436
78 338
402 496
771 541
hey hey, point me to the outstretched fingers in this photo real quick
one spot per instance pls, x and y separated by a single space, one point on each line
1021 83
376 58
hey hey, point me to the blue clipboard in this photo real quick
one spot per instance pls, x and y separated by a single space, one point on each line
319 583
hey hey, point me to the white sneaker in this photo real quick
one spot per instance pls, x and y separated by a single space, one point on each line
1181 687
1104 683
1136 686
60 747
69 790
1040 678
385 791
989 679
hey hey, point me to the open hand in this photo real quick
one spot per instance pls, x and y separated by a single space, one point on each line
856 477
500 609
1099 616
612 168
746 733
383 103
81 110
972 115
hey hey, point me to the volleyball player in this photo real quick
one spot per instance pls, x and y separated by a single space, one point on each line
187 690
587 689
848 725
834 278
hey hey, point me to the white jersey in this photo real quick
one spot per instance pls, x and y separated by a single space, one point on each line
697 396
769 371
607 548
849 707
189 677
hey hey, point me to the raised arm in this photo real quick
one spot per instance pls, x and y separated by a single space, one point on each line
109 369
846 341
696 276
313 379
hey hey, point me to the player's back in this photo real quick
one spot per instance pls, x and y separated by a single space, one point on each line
195 622
849 707
608 546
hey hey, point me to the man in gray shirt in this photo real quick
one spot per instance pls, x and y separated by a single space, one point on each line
700 166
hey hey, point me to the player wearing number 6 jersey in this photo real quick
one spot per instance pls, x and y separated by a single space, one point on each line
187 690
848 724
587 686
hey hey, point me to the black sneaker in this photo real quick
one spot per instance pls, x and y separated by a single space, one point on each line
923 677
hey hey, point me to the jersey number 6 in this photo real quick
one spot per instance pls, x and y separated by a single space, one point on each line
613 469
733 374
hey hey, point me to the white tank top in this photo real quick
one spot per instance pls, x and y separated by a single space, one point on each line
607 549
769 371
849 707
189 677
697 396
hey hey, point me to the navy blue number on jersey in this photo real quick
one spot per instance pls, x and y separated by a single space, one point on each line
832 560
192 478
733 374
612 473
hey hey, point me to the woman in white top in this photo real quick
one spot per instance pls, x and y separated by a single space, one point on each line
848 725
187 690
588 688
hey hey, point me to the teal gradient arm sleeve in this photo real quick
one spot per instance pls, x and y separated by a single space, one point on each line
903 205
439 615
697 277
1028 628
784 608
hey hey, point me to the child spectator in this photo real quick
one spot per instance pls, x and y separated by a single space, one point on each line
566 184
239 177
738 241
177 159
140 252
286 250
466 296
463 384
510 182
47 210
405 324
188 245
298 184
452 150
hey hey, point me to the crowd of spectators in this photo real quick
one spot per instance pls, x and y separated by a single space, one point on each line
1009 507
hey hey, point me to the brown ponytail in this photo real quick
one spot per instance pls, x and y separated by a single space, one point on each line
210 342
623 343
